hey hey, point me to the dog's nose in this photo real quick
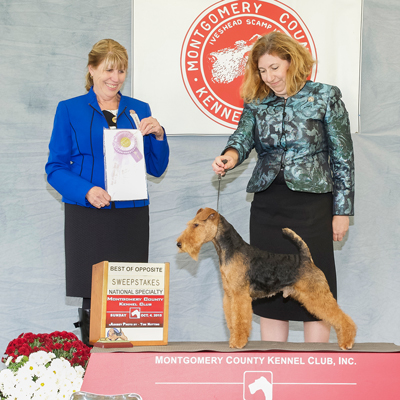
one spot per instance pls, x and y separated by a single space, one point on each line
179 244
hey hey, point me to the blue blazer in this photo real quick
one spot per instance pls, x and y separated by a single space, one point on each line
76 160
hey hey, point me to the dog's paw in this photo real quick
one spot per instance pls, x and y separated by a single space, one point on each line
346 339
346 333
346 346
237 343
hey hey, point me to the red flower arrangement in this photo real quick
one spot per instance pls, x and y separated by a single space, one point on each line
62 344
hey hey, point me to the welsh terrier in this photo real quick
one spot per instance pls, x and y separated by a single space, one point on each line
249 273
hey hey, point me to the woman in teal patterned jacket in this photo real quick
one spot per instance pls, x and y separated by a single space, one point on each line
304 175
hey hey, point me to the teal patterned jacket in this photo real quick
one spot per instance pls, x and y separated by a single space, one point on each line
308 135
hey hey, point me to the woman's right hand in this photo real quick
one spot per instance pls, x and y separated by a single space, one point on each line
98 197
225 162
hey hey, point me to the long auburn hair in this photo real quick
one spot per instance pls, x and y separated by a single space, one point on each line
286 48
111 52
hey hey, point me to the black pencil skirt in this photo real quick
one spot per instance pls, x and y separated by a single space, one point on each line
93 236
310 216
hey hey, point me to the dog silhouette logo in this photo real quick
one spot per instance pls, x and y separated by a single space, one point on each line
134 313
216 47
257 385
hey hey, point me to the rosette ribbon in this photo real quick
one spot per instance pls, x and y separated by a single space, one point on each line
124 144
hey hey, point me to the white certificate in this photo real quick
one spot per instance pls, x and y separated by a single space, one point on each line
124 163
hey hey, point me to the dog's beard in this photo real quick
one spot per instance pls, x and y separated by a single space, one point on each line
192 250
194 253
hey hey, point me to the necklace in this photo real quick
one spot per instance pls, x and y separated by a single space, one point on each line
109 104
114 118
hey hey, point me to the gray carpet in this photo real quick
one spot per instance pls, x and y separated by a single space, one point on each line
252 346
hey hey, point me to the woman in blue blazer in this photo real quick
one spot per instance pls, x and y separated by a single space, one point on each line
96 228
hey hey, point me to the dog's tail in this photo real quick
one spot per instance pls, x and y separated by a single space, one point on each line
299 242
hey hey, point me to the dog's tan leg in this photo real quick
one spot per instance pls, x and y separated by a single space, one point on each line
240 320
237 304
312 290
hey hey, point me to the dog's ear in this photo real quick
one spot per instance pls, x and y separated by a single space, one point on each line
211 216
200 210
208 213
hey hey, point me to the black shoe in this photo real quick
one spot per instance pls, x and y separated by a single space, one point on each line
84 324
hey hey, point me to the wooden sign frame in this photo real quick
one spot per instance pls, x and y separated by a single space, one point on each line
143 309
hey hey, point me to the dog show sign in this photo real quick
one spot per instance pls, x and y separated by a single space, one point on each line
202 59
247 375
129 303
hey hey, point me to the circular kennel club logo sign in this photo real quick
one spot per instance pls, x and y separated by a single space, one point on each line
216 47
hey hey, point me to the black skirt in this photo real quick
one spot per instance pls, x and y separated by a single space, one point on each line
310 216
93 236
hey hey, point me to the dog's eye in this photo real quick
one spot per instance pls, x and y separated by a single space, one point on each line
195 225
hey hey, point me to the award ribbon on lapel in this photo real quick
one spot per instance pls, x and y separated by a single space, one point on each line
135 118
125 143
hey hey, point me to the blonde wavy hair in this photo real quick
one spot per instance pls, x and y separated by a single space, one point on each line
111 52
279 45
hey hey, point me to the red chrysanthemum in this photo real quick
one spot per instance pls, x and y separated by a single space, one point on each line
62 344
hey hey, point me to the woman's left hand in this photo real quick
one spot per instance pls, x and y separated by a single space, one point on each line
340 225
151 125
